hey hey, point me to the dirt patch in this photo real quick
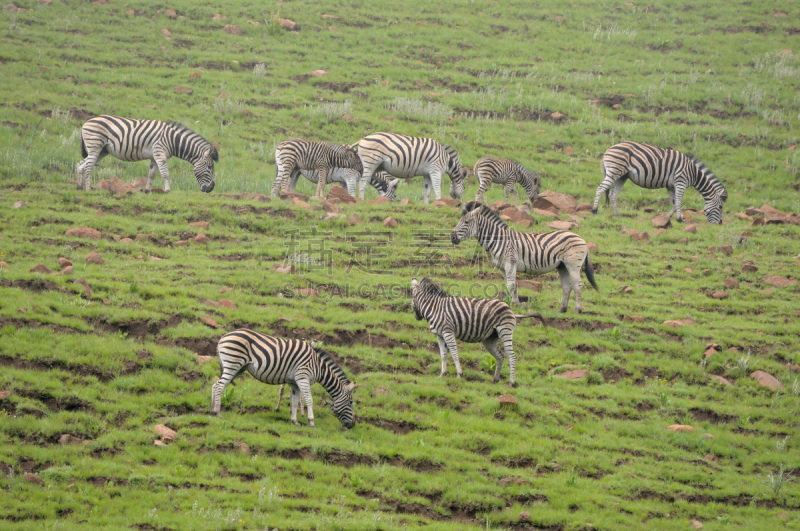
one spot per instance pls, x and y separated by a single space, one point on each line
337 87
50 364
399 427
339 338
589 326
526 115
517 461
591 349
62 403
30 284
137 329
703 415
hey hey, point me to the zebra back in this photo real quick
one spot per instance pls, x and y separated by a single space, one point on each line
706 181
331 365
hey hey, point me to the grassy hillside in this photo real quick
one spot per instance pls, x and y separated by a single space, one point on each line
106 365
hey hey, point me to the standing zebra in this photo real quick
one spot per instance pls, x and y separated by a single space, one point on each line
383 183
469 319
134 140
297 154
278 361
536 253
652 167
406 157
507 172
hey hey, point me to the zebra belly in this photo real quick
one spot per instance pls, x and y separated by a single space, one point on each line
268 376
402 172
523 267
132 155
639 180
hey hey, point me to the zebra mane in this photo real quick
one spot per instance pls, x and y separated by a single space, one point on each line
326 358
706 172
527 173
180 128
489 214
428 286
341 149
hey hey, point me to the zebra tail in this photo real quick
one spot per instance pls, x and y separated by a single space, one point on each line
84 153
608 200
587 266
536 315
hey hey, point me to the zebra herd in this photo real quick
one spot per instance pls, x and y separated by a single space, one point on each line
381 159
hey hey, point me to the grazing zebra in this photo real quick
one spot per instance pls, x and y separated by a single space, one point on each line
278 361
383 183
507 172
134 140
406 157
518 251
652 167
297 154
469 319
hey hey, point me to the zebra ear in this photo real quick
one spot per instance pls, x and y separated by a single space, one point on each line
395 183
349 387
414 283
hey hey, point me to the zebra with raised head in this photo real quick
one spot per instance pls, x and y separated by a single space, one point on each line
467 319
134 140
383 183
508 173
297 154
653 167
406 157
536 253
278 361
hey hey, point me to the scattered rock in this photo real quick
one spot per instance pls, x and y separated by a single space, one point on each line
766 291
633 319
390 222
227 304
584 207
41 268
337 192
778 281
354 220
209 302
513 481
658 232
405 202
707 436
167 435
330 208
64 262
507 401
731 283
380 200
721 380
380 391
167 34
706 272
524 517
677 323
545 213
20 204
691 228
743 216
289 25
720 295
446 201
182 90
158 442
94 258
694 524
171 13
765 379
33 478
562 225
67 439
661 222
708 353
202 359
749 267
550 200
711 458
4 395
217 17
625 289
209 321
201 238
67 270
575 374
226 289
299 203
569 151
87 291
592 247
233 29
84 232
243 448
203 225
793 367
680 427
640 236
319 73
4 265
282 268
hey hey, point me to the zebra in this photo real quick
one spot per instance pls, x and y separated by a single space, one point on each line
279 361
507 172
134 140
653 167
467 319
406 157
537 253
383 183
297 154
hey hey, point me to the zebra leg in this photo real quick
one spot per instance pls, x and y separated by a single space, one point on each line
436 182
426 189
484 184
608 180
79 173
150 174
507 338
443 354
491 346
671 192
280 397
322 172
566 285
295 397
229 372
276 184
305 394
679 190
615 193
452 346
164 170
511 282
577 285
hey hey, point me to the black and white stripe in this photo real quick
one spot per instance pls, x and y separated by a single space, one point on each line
536 253
383 183
467 319
279 361
508 173
133 140
653 167
405 157
297 154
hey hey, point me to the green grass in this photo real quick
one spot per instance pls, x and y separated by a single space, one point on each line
428 451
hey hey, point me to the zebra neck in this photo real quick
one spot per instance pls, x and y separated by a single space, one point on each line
492 237
182 144
526 182
705 185
329 380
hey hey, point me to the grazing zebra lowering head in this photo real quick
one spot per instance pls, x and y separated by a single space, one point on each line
508 173
278 361
133 140
537 253
471 320
653 167
297 154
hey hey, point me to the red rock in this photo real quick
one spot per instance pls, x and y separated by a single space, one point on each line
167 435
562 225
167 34
209 321
695 524
289 25
569 151
721 380
726 249
556 116
201 238
593 248
765 379
94 258
302 204
67 270
319 73
4 395
546 213
217 17
87 291
227 304
584 207
658 232
680 427
405 202
354 220
640 236
68 439
158 442
625 289
507 400
706 272
677 323
329 207
633 319
711 458
233 29
731 283
182 90
661 222
340 193
33 478
524 517
390 222
503 217
708 353
209 302
549 200
743 216
749 268
282 268
199 224
202 360
227 289
380 200
126 240
691 228
793 367
446 201
720 295
766 291
170 13
41 268
181 243
4 265
576 374
778 281
84 232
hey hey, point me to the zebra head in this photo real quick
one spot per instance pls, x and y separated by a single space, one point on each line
343 405
351 159
391 189
414 302
713 207
468 224
204 168
458 181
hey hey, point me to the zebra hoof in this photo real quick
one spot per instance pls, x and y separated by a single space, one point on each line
562 310
594 211
295 423
513 385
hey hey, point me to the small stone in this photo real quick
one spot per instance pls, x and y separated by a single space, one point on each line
289 25
354 220
20 204
640 236
167 435
63 262
708 353
720 295
633 319
749 268
337 192
4 395
661 222
84 232
233 29
584 207
243 448
166 33
329 207
380 200
765 379
694 524
203 225
524 517
41 268
545 213
575 374
691 228
562 225
711 458
4 265
731 283
380 391
680 427
783 514
171 13
658 232
68 439
87 290
94 258
201 238
765 292
593 248
281 268
182 90
677 323
569 151
302 204
507 400
720 379
209 321
707 436
390 222
405 202
67 270
778 281
158 442
793 367
202 359
33 478
217 17
226 289
227 304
